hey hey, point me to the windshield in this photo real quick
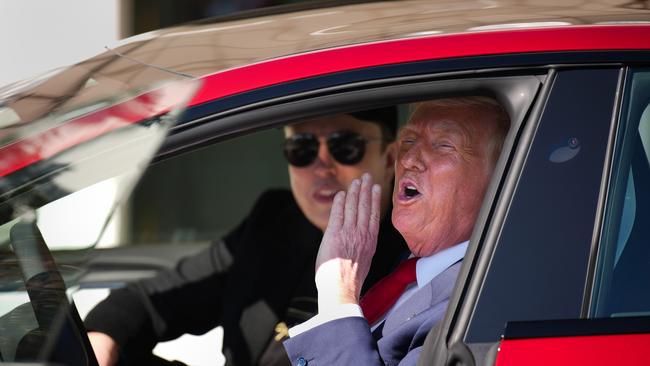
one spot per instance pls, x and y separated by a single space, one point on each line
62 176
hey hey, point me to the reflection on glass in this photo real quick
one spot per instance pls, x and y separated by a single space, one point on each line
622 287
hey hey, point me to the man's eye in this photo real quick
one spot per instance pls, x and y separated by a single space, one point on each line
443 145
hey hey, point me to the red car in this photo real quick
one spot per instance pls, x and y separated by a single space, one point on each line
558 267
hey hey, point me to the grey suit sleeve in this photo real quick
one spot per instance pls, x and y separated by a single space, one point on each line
346 341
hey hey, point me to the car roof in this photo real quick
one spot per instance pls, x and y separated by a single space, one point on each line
216 46
204 48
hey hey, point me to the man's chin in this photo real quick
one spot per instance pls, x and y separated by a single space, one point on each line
400 221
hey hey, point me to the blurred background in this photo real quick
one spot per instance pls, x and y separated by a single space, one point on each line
71 30
188 199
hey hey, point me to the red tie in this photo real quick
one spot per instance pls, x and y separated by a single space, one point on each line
379 299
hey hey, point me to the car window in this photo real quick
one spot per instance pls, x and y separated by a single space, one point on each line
538 269
52 171
203 194
16 316
622 287
34 309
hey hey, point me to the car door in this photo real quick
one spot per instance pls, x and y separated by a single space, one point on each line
556 286
616 326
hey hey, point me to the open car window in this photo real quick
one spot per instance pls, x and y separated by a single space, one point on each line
200 195
203 194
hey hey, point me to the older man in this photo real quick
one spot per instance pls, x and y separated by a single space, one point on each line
446 155
259 278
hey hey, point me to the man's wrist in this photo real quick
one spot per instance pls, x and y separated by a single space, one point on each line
332 304
332 313
332 291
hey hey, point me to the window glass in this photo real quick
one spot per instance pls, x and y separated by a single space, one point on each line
622 287
538 269
202 195
92 211
33 301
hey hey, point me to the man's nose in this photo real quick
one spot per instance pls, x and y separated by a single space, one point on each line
411 158
324 161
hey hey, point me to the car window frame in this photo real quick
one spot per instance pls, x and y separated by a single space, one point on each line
361 95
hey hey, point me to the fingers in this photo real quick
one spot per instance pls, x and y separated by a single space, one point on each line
336 213
351 203
362 203
364 207
375 209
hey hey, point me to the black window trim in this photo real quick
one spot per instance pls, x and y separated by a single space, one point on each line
577 327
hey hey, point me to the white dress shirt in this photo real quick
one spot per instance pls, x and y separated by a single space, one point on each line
426 269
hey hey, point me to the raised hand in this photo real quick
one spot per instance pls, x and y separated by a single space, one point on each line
348 244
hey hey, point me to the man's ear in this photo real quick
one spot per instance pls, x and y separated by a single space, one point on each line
391 156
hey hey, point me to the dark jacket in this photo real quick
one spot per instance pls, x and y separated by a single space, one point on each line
269 279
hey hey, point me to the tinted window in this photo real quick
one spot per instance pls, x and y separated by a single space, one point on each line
202 195
36 323
539 266
622 286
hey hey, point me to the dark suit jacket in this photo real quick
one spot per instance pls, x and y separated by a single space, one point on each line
348 341
270 279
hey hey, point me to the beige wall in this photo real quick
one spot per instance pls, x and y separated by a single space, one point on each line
41 35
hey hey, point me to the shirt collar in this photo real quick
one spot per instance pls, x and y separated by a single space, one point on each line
427 268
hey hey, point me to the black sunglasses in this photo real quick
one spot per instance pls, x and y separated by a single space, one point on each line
346 147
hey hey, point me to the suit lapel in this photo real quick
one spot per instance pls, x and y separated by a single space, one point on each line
439 289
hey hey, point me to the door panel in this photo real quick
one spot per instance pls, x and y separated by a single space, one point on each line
619 333
605 341
627 349
538 269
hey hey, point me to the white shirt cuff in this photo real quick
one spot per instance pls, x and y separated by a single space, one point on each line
333 313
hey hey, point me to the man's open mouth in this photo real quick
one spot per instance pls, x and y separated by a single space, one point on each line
411 191
408 191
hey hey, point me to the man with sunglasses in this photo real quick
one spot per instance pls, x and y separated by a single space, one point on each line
258 281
